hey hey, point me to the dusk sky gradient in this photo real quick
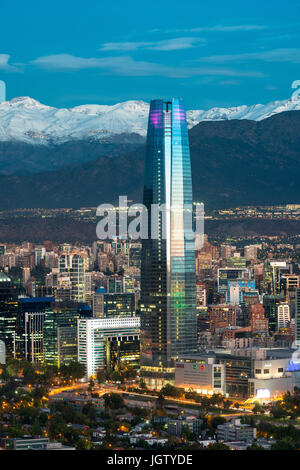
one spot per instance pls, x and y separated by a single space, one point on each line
213 53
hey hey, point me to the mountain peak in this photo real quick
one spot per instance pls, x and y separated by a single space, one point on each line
27 120
25 101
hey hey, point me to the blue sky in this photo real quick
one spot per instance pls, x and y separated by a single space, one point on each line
213 53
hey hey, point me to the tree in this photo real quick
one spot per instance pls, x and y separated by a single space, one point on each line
91 385
38 393
255 446
4 373
258 408
170 391
284 445
75 370
57 426
217 446
143 385
83 444
216 421
227 404
100 376
278 411
29 374
50 373
160 402
186 432
36 428
90 411
113 401
111 426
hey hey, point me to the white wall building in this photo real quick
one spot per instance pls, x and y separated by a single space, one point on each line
2 353
93 334
283 316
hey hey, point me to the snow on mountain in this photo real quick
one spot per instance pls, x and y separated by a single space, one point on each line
25 119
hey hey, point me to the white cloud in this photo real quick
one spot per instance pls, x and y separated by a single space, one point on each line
125 65
4 64
218 28
275 55
229 82
174 44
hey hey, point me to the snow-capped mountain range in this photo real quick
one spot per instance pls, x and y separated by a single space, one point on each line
25 119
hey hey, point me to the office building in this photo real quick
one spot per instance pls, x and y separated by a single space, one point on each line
60 333
273 274
270 304
74 266
2 353
297 318
106 305
168 284
30 323
227 275
100 338
8 314
283 316
39 255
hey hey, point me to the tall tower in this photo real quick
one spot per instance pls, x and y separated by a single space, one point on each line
2 91
168 282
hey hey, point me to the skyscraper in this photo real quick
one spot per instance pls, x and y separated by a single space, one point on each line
168 284
73 265
2 91
8 313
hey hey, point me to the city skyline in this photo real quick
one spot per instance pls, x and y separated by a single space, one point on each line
157 325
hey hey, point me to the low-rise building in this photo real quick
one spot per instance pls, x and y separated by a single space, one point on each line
240 372
175 426
236 431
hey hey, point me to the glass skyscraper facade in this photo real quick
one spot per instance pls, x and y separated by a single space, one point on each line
168 283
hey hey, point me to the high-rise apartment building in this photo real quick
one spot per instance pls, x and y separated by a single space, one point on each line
113 305
30 322
75 267
8 313
297 318
258 321
168 284
283 315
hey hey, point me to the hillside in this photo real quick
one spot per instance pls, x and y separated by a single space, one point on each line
235 162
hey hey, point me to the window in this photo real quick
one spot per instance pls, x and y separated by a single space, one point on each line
280 369
266 371
258 371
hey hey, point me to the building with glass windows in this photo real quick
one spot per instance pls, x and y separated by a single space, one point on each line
168 284
227 275
102 342
248 372
73 265
2 91
8 313
30 322
60 333
107 305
